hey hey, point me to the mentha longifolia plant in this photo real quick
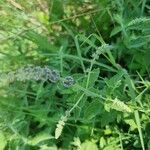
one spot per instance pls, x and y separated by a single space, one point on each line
115 103
38 73
81 90
100 93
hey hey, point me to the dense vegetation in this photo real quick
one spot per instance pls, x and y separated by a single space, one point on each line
75 75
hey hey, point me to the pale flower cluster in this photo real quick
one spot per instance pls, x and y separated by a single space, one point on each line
36 73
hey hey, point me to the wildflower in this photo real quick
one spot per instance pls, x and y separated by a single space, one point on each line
28 73
3 79
11 76
54 76
68 81
19 75
37 73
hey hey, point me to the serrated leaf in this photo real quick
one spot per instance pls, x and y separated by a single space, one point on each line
108 117
93 109
132 124
94 74
115 80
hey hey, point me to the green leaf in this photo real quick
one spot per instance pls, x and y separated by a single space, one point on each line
94 74
146 58
115 80
138 41
3 141
102 142
115 31
42 136
41 41
132 124
93 109
108 117
89 145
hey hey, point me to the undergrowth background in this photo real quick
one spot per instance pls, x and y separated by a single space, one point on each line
75 75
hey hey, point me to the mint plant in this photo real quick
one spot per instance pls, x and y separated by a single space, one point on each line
74 75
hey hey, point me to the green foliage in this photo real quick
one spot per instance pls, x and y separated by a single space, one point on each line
74 75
